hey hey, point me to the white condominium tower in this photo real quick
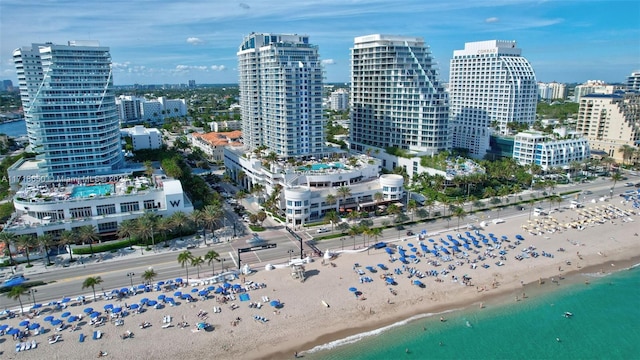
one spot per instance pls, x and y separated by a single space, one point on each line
490 85
396 98
281 94
69 108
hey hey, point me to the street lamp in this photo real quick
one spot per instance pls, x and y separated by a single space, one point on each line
290 251
130 276
342 241
222 259
33 295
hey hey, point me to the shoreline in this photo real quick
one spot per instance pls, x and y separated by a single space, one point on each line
497 299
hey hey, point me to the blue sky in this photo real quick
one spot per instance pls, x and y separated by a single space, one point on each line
155 42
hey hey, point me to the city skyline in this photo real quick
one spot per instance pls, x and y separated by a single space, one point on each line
156 43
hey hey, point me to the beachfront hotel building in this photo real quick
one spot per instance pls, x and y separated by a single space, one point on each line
396 98
79 176
633 81
304 187
69 108
532 147
592 87
280 81
610 121
490 85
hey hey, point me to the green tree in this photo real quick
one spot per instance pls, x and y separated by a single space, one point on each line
8 238
127 229
46 241
459 213
146 227
179 220
344 192
212 257
615 177
332 218
16 293
184 258
68 237
26 242
412 205
92 282
148 275
88 235
197 263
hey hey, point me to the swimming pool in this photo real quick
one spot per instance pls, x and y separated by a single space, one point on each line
321 166
82 191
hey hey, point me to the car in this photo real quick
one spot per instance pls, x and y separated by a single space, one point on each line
322 230
628 184
587 192
410 233
637 185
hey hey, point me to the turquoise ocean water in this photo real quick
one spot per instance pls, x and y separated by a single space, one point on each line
605 325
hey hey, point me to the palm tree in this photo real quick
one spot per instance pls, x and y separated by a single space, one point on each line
164 226
146 226
148 275
459 213
615 177
393 209
343 192
91 282
412 205
25 242
331 199
88 234
127 230
212 214
183 259
211 257
332 217
627 152
375 233
16 293
179 220
378 197
148 168
46 240
197 263
67 238
198 217
8 238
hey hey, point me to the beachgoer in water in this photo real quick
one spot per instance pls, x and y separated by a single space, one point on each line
406 350
558 339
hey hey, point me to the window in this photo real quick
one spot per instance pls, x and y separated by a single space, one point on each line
106 209
129 206
80 212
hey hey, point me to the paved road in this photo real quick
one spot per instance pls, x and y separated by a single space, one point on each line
68 281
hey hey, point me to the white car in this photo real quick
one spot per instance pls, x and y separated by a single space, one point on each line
322 230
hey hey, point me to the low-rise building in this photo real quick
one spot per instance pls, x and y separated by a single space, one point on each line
213 143
548 151
143 138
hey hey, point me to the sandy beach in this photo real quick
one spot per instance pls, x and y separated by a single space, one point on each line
303 321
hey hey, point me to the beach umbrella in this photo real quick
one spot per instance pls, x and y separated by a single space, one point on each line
124 290
178 280
201 326
115 291
177 293
48 318
134 306
352 289
414 249
144 300
108 306
194 290
3 327
274 303
169 300
13 331
431 240
226 285
219 290
152 303
203 293
160 283
65 314
56 322
72 318
65 300
161 297
211 288
141 286
36 306
417 282
94 314
24 323
389 280
116 310
186 296
88 310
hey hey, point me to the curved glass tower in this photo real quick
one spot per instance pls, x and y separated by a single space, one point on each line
69 108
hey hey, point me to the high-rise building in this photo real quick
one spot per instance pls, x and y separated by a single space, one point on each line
610 121
532 147
69 108
281 94
592 87
552 91
396 97
490 85
339 100
633 81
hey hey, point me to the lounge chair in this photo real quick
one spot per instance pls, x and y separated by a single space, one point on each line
34 344
18 347
81 339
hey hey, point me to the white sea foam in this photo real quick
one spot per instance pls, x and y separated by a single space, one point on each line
357 337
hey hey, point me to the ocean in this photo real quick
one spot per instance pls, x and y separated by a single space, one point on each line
605 325
14 128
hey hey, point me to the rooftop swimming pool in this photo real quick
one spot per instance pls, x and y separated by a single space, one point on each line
83 191
321 166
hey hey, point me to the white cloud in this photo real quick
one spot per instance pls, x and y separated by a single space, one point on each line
195 41
328 62
190 67
491 20
218 67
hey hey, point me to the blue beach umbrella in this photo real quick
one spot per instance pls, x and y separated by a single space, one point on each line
65 300
352 289
226 285
72 318
3 327
48 318
94 314
34 326
178 280
134 306
65 314
194 290
203 293
161 296
144 300
56 322
274 303
88 310
116 310
24 323
108 306
152 303
169 300
211 288
13 331
36 306
177 293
